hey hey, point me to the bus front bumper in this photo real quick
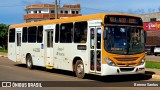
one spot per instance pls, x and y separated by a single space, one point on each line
114 70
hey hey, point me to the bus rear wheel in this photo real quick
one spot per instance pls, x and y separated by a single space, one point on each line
79 69
29 62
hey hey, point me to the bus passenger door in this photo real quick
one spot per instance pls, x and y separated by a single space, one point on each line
95 49
48 47
18 44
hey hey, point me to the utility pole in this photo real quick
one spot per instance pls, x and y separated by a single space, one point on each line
56 10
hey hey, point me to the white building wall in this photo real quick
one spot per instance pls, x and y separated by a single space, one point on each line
48 10
147 17
43 10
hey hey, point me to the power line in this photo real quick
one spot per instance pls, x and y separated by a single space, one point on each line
95 9
60 2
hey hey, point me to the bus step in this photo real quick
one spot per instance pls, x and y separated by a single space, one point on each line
49 67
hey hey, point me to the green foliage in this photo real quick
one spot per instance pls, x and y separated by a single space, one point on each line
151 64
3 35
2 50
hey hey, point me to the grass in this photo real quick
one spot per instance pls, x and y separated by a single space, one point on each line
4 51
151 64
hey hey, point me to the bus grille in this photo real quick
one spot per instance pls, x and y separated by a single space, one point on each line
127 59
127 64
126 69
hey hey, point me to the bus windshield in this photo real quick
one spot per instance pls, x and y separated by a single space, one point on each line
124 40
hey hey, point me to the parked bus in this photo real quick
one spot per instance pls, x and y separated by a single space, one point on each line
100 44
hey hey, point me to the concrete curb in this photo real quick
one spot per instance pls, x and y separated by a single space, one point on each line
154 76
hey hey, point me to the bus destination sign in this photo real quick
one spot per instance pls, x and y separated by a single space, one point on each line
128 20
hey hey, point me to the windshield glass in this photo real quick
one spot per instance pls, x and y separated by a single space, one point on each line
124 40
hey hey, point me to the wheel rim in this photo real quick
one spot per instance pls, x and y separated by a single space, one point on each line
28 63
80 68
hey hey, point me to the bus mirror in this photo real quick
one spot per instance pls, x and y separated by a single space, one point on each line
105 34
145 36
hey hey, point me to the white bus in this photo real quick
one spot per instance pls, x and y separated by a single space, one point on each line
84 44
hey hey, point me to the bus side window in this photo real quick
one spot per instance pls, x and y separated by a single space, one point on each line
80 32
32 34
66 32
24 34
40 34
57 33
12 35
99 38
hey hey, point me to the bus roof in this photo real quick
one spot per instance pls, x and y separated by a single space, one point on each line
71 19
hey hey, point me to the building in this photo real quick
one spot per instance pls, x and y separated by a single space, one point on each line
38 12
151 23
150 17
153 32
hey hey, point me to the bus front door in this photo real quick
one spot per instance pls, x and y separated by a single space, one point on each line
95 49
49 48
18 45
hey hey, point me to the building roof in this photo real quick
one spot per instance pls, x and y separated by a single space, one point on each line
72 6
51 6
40 6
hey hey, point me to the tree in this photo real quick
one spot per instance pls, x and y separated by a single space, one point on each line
3 35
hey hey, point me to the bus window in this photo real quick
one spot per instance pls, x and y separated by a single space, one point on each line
92 38
40 34
50 38
66 32
18 39
24 34
57 33
32 34
12 35
99 38
80 32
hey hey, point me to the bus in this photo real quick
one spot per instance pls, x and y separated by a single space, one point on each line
100 44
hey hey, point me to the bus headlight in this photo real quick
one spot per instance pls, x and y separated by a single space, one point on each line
142 61
109 62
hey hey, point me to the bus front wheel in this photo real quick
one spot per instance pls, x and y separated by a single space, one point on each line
79 69
29 62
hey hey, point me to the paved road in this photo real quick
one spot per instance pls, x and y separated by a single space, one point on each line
10 71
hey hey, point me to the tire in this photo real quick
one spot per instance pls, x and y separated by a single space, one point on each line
29 62
79 69
155 54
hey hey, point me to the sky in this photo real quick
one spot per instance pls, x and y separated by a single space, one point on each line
12 11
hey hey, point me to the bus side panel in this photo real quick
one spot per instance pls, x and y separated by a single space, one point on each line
37 52
12 51
65 53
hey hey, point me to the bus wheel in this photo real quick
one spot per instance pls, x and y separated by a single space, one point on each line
29 62
79 69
